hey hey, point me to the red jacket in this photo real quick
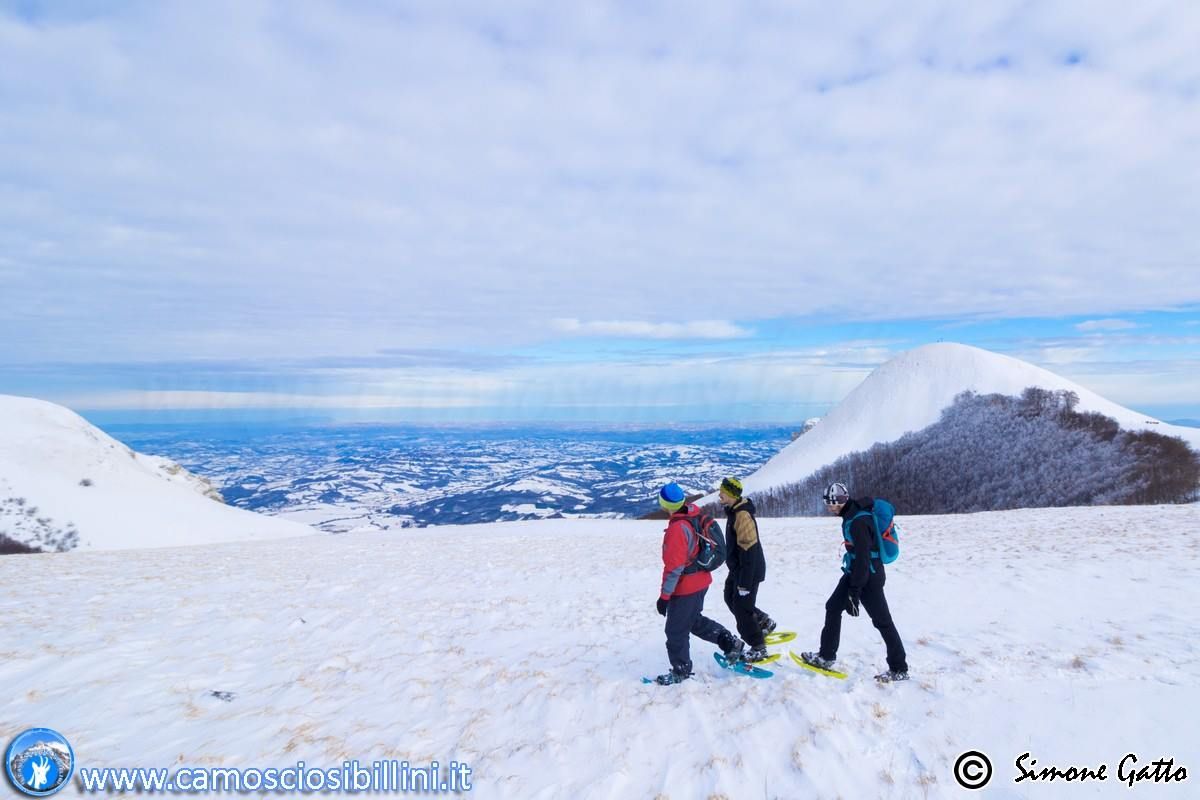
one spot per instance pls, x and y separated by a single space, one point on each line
680 545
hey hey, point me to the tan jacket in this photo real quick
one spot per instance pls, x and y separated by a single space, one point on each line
747 564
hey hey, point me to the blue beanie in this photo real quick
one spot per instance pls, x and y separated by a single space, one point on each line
671 497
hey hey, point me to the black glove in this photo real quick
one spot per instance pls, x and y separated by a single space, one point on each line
852 602
661 605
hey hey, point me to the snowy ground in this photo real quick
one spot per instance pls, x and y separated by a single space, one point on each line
518 648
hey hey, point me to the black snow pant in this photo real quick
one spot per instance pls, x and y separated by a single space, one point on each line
877 608
749 618
684 618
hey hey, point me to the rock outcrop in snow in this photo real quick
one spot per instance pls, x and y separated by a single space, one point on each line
809 424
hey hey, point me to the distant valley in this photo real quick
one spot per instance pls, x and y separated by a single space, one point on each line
341 478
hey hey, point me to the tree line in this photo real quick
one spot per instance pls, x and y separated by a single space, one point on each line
992 452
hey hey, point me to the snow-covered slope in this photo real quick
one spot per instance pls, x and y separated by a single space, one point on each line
58 472
518 648
909 392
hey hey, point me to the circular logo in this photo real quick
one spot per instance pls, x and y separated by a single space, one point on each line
39 762
973 770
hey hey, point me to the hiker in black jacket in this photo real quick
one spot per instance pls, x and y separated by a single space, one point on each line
747 569
862 582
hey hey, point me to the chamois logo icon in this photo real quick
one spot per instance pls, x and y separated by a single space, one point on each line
41 769
39 762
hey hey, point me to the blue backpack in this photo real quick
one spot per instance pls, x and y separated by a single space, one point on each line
887 534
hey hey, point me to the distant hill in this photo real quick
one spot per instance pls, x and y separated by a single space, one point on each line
910 393
995 452
66 485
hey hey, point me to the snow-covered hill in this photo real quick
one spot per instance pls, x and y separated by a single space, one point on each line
518 648
60 473
909 393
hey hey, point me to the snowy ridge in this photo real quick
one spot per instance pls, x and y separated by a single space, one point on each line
909 393
71 474
519 647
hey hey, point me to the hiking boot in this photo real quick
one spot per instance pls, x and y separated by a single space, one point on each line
732 648
755 654
815 660
678 674
766 624
892 676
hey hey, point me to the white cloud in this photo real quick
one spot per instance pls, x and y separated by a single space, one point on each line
1141 383
1092 325
696 329
164 400
783 385
187 180
790 383
1060 356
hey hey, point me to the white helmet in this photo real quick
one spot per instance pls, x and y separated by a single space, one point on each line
835 494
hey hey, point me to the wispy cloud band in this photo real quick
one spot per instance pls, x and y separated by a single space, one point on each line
1091 325
693 329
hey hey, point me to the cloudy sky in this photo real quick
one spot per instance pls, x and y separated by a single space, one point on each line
614 211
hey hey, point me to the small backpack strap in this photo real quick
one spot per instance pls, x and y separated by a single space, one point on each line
846 533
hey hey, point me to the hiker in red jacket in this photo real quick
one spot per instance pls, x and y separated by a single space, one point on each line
681 597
